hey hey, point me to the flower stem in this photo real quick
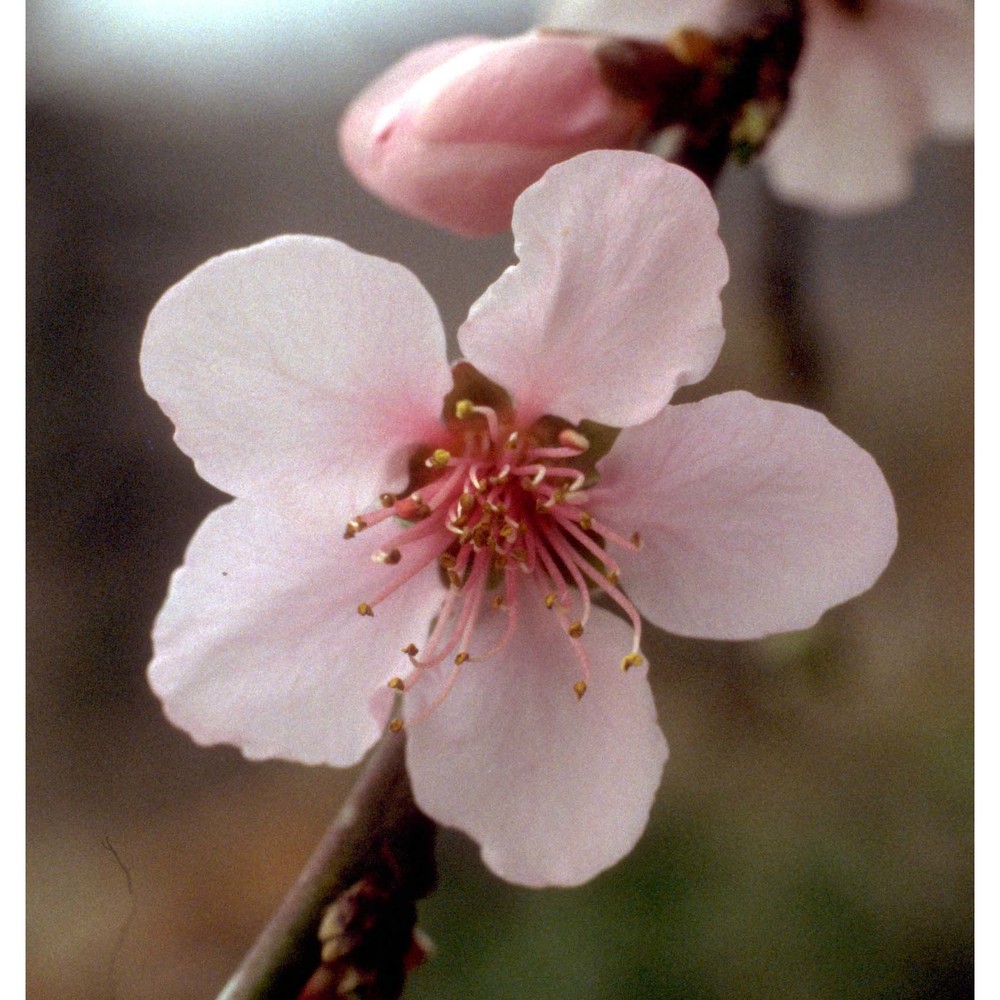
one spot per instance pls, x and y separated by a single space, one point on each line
362 882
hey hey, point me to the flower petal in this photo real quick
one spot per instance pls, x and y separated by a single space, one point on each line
935 39
554 789
300 371
651 19
615 301
756 516
260 643
855 114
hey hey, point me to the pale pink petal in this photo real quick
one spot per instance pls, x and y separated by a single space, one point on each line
650 19
853 119
615 301
260 643
935 41
755 516
554 789
299 371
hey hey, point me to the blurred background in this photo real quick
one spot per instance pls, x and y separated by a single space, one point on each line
813 834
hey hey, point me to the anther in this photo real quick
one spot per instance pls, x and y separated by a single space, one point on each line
580 688
389 558
464 409
550 600
396 683
410 649
636 539
586 521
460 658
355 525
454 579
570 438
438 459
446 560
575 629
497 601
365 610
631 660
466 502
395 725
512 440
387 499
613 577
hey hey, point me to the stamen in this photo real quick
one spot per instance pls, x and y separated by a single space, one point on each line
549 599
569 437
390 558
461 658
438 459
387 499
631 660
365 610
410 649
396 725
396 683
464 409
580 687
575 629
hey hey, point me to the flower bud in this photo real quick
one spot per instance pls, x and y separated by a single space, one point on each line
454 132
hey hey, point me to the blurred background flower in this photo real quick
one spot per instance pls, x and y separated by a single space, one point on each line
812 837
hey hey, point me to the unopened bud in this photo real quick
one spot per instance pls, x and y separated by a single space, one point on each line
454 132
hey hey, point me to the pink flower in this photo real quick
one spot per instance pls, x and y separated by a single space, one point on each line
876 78
405 526
454 132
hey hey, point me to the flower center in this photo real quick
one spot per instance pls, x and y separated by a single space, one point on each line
507 507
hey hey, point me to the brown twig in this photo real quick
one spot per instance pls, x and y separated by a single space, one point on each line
373 863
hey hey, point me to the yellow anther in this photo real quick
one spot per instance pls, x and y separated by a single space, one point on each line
575 629
460 658
570 438
446 560
396 683
357 524
387 499
613 577
636 539
498 601
466 502
586 521
550 600
439 458
410 649
580 687
389 558
631 660
365 610
464 409
395 725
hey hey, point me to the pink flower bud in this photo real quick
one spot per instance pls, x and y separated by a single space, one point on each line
454 132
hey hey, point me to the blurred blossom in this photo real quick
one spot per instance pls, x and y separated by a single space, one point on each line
876 78
453 133
494 584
